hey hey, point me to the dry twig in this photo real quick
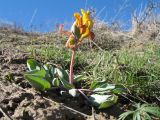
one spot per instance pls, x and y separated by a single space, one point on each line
5 114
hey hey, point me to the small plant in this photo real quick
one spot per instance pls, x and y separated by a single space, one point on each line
43 77
141 112
48 76
9 77
81 29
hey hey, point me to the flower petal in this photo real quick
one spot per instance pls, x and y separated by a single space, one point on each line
85 35
78 19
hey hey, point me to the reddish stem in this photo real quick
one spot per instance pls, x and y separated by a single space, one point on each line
71 79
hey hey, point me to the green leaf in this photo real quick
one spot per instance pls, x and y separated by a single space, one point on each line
153 110
55 82
50 69
102 84
95 84
109 102
103 101
38 82
104 87
124 115
79 78
136 115
147 116
64 78
62 74
39 73
66 84
119 89
33 65
38 79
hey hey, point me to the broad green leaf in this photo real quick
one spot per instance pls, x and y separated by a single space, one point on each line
111 101
55 82
50 68
38 82
101 84
79 78
119 89
104 87
39 73
64 78
46 67
33 65
62 74
66 84
95 84
103 101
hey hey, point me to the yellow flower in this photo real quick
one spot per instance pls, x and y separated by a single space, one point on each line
87 21
81 28
78 19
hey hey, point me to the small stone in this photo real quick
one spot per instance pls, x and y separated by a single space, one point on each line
1 52
13 68
25 103
5 101
4 67
1 115
18 79
25 85
16 100
12 104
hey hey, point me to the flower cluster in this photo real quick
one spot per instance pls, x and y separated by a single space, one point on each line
81 28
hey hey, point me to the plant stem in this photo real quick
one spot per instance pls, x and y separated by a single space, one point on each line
83 95
71 79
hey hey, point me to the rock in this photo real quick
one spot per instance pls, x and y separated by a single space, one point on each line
18 79
4 66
